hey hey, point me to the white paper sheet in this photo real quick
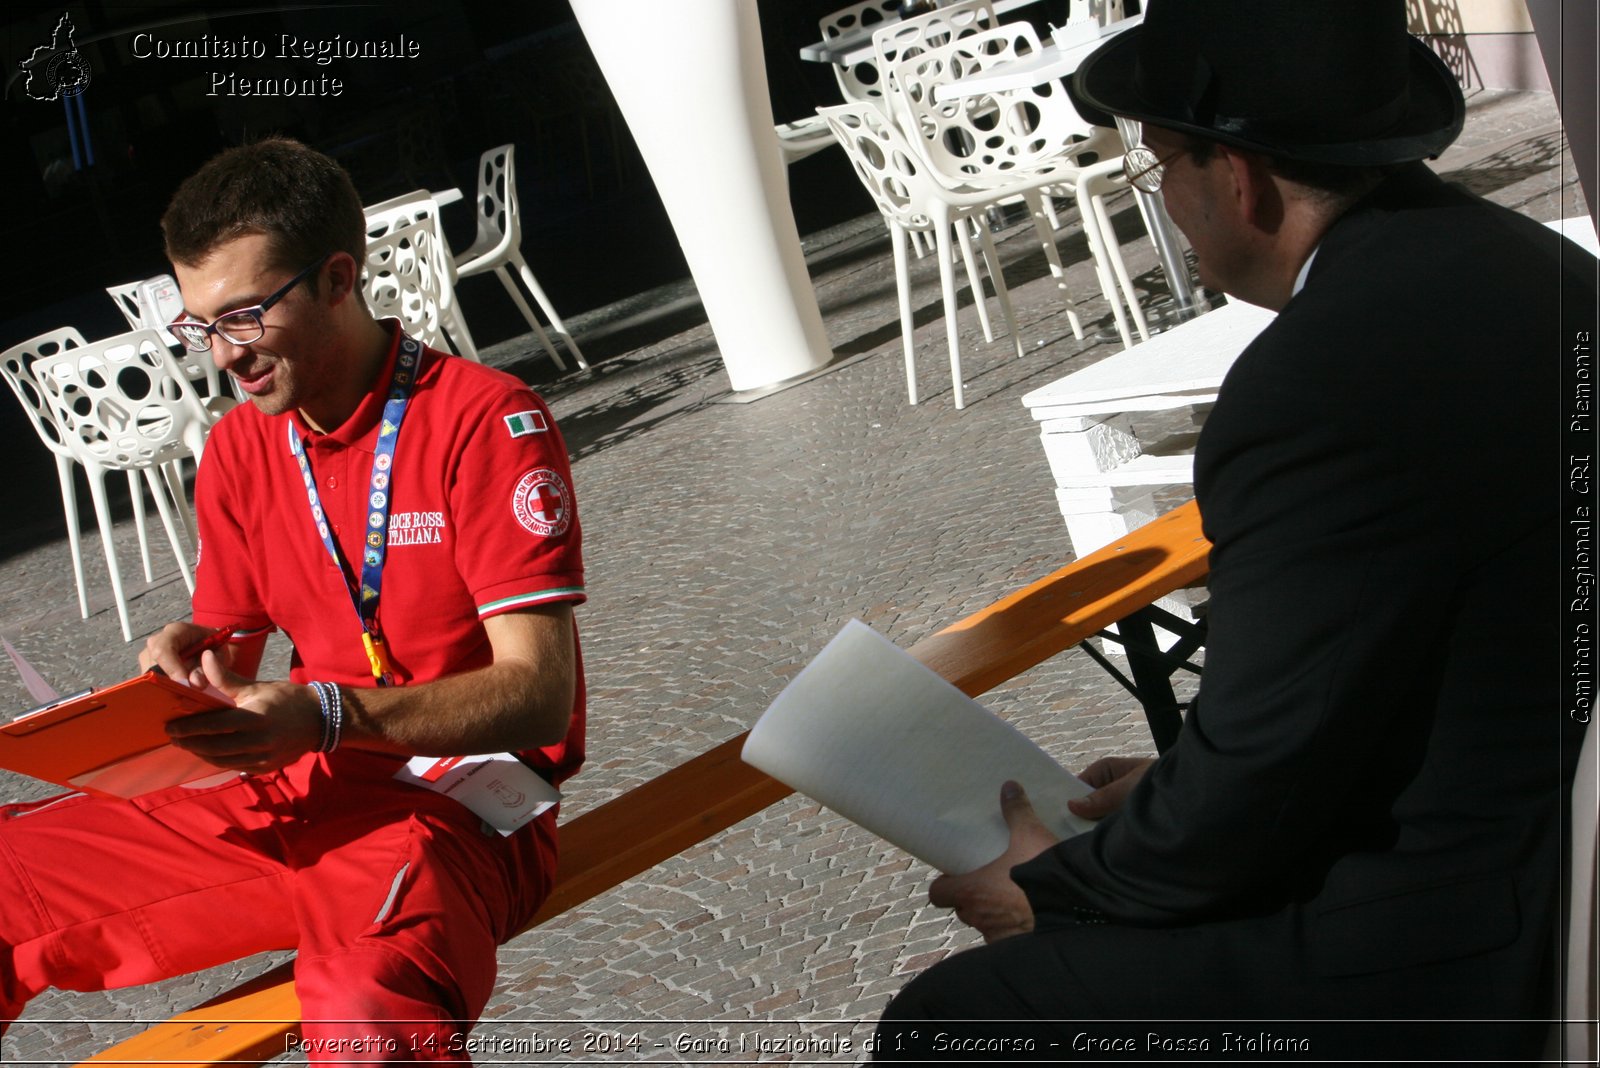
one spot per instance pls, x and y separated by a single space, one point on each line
37 688
502 790
870 732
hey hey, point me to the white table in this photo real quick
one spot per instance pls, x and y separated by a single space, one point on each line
857 47
1089 439
440 197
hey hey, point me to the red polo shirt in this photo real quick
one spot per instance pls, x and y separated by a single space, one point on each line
482 520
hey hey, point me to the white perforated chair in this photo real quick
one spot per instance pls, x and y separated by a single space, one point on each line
800 138
124 404
431 307
911 201
1026 142
16 365
910 37
904 39
858 83
498 248
153 303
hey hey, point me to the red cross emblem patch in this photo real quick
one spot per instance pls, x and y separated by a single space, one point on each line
542 503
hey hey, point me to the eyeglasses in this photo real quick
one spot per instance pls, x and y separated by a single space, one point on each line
242 327
1144 171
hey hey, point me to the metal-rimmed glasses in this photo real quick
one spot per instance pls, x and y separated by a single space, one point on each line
241 327
1144 170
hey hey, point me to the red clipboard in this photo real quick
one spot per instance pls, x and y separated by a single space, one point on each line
111 740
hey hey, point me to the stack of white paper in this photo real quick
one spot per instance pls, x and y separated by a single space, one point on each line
870 732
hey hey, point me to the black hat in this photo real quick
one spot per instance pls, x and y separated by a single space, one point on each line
1325 81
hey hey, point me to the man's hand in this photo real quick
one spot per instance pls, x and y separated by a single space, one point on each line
986 899
162 650
1113 779
275 722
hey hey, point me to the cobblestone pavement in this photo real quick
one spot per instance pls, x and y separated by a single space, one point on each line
727 540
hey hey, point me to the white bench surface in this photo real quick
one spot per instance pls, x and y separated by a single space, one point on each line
1190 360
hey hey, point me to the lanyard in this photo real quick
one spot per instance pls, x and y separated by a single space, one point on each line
365 596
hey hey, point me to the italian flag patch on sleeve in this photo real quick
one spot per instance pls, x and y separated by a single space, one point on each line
524 423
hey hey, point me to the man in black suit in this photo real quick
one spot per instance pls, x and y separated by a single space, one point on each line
1360 821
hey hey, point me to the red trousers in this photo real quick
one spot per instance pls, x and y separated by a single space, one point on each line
394 897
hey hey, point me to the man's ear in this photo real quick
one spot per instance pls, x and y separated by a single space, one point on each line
1259 201
344 277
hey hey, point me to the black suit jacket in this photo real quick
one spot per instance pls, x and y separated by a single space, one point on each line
1363 804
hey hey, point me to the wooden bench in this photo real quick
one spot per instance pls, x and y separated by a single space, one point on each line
658 819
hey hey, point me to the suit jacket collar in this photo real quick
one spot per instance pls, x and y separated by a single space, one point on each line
1409 187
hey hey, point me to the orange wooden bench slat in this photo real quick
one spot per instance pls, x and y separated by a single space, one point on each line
705 795
1060 610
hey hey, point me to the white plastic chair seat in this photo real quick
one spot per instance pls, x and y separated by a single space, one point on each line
498 248
803 137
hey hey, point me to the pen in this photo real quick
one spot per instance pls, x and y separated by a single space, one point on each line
210 641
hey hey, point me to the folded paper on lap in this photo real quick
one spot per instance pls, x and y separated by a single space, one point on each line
870 732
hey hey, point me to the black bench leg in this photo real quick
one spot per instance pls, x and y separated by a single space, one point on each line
1152 667
1153 680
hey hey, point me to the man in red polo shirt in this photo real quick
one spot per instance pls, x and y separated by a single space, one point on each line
406 517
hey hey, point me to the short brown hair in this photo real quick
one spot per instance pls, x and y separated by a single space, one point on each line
302 200
1331 183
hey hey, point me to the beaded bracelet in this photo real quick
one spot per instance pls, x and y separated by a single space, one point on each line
331 701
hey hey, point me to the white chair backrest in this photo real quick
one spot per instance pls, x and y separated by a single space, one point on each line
985 137
150 302
401 211
124 402
884 161
499 228
901 40
126 298
17 366
861 82
407 276
384 207
161 300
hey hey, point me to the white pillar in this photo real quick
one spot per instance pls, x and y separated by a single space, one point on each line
691 81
